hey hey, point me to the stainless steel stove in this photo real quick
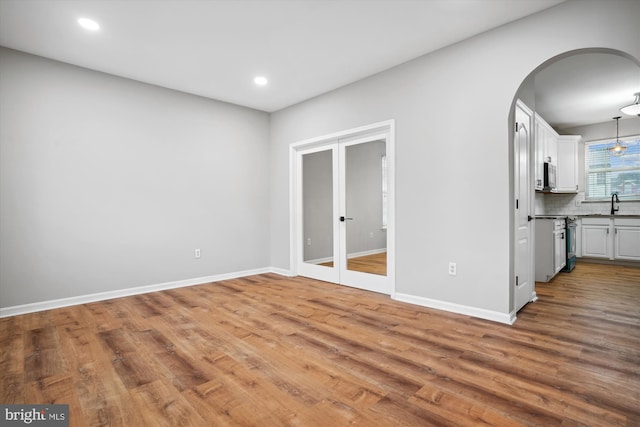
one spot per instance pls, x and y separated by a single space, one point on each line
571 243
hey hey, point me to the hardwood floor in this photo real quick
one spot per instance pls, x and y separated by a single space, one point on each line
273 351
373 264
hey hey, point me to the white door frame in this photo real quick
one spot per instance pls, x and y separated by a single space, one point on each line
295 229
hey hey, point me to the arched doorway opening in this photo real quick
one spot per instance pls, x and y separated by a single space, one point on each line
577 92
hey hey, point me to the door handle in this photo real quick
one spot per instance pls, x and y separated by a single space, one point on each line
343 219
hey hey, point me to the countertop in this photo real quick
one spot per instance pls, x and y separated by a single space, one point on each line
587 216
608 216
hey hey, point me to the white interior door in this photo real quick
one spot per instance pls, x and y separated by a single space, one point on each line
344 211
317 210
363 233
523 262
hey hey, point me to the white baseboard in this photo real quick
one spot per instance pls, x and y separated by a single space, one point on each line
281 271
349 256
102 296
366 253
319 260
457 308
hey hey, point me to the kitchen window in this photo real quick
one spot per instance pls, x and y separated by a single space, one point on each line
607 174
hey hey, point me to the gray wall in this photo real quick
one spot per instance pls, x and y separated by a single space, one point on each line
107 183
453 154
629 126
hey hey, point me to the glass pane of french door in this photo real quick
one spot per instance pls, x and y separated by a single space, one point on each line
365 229
318 208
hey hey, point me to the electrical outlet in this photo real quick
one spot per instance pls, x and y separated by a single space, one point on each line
308 241
196 253
452 268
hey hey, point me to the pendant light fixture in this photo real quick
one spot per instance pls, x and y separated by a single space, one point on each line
618 149
633 109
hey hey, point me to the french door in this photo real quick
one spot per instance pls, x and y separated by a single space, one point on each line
344 212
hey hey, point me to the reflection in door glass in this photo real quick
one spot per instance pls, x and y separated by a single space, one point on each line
365 192
317 207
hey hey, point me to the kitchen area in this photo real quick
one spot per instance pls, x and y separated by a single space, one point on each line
586 173
562 240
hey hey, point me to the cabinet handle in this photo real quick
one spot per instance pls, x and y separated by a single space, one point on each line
616 230
607 231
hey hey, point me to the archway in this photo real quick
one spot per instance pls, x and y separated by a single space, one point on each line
593 89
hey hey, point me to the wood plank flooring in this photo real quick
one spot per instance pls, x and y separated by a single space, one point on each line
373 264
268 350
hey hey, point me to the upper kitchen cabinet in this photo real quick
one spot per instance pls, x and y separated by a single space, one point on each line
546 149
567 168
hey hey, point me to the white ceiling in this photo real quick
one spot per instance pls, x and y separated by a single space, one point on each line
214 48
586 88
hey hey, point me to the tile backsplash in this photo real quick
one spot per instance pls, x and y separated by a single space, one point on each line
574 204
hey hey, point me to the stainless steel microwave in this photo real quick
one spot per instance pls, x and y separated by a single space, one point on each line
549 182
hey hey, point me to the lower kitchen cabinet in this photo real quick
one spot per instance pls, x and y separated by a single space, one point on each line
559 248
595 241
551 248
626 239
611 238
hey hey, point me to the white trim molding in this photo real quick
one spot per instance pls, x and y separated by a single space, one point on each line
102 296
336 141
281 271
495 316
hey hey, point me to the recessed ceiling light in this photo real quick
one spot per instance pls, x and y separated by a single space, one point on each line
89 24
260 81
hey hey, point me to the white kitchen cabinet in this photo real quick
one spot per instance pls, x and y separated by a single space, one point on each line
611 238
551 153
551 250
539 158
626 239
595 241
546 149
567 168
560 249
578 238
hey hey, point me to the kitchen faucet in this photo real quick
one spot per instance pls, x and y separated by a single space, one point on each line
614 195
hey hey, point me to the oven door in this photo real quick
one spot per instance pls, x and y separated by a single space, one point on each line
571 240
571 246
